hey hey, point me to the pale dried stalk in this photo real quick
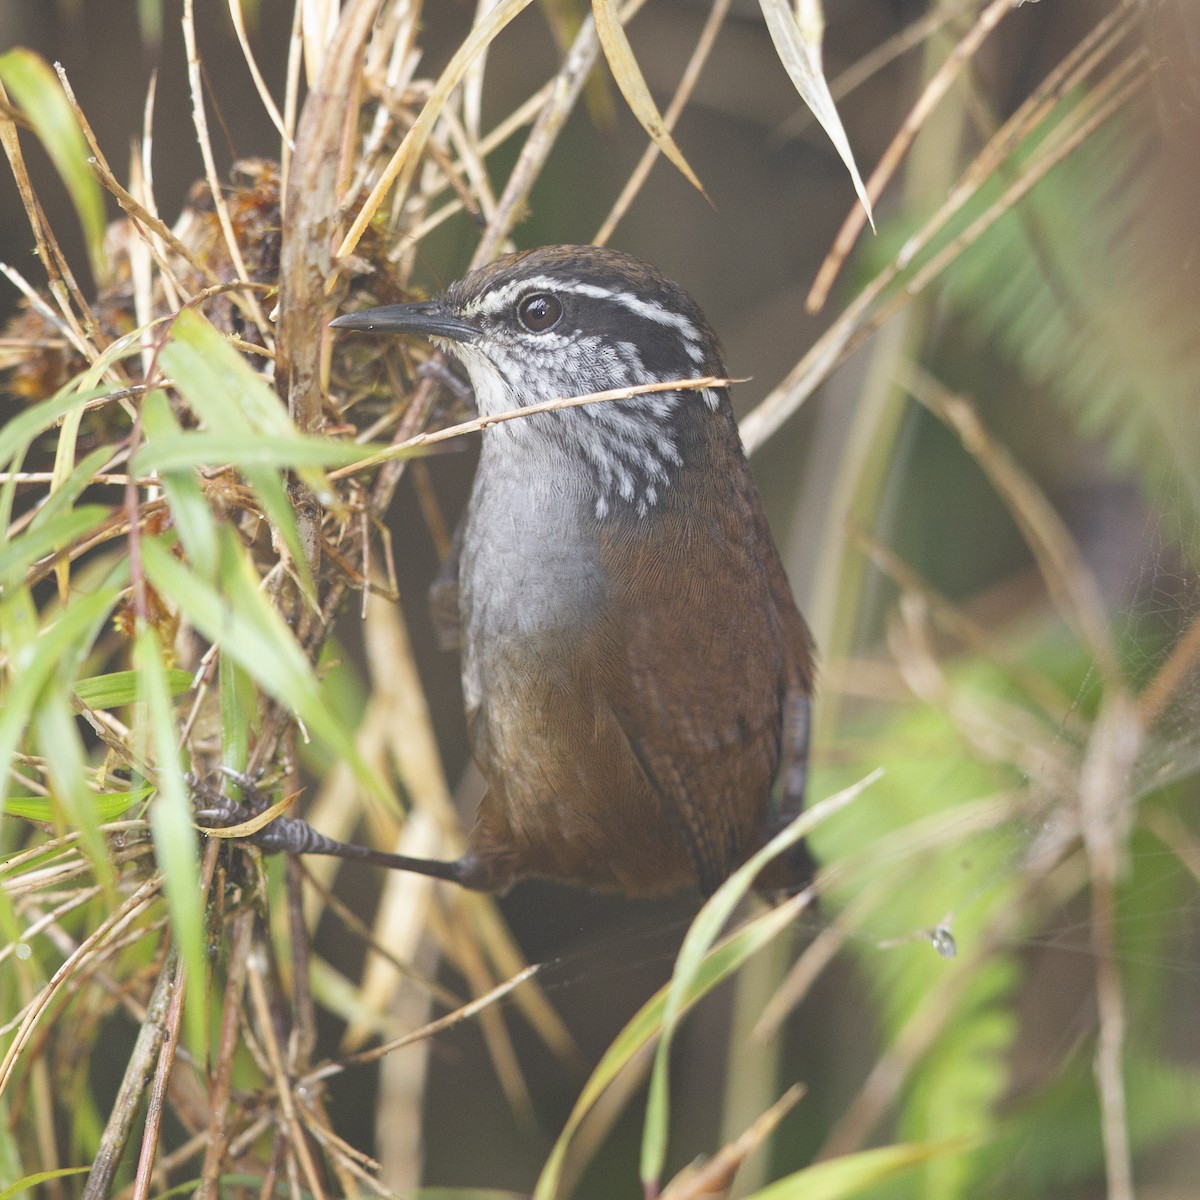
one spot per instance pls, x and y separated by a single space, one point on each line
714 1177
113 925
1083 58
67 327
218 1133
467 1011
430 830
46 919
1013 738
560 101
933 94
146 223
1105 803
400 168
467 955
210 167
421 440
133 1086
61 282
1054 703
156 1104
291 101
861 317
1170 676
260 84
683 93
1106 99
288 1119
1070 583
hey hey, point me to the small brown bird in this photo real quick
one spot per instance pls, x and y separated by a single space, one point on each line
636 673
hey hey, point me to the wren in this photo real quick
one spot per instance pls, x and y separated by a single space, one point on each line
636 673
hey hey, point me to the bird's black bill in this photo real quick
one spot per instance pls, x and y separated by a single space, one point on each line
430 318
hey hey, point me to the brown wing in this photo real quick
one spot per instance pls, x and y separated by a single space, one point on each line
793 870
703 679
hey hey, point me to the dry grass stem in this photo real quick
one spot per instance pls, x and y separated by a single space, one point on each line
1170 678
873 306
156 1101
291 1130
210 167
1105 801
421 440
679 101
1071 585
62 285
715 1177
138 1073
973 636
432 1029
935 91
116 922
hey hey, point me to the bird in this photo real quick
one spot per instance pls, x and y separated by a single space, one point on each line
636 674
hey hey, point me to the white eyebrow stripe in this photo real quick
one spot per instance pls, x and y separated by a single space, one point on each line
650 309
499 298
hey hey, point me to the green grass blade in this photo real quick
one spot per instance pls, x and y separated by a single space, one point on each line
30 1181
704 931
176 845
17 433
231 400
66 764
36 659
190 511
246 452
717 965
241 620
239 713
73 485
51 537
108 806
851 1175
121 687
35 87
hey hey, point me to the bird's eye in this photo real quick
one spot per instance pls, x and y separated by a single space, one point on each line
539 311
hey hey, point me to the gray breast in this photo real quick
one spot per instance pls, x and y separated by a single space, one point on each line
530 572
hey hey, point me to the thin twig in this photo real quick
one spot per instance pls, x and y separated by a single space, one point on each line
933 94
62 285
290 1127
210 167
260 84
158 1088
136 1079
683 93
1159 692
466 1012
861 317
421 440
240 935
403 163
1105 813
114 924
128 202
1071 584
